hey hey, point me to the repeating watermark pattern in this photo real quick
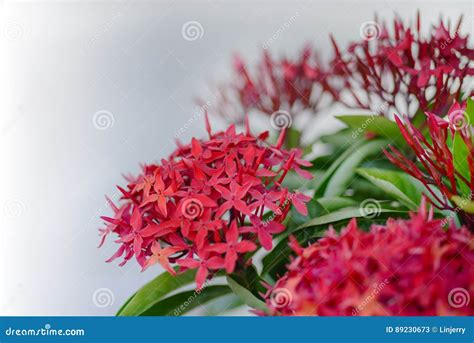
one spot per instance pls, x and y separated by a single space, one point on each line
370 208
106 27
444 44
281 208
13 31
370 30
459 297
203 109
281 119
285 26
281 297
14 208
376 289
458 120
464 201
361 129
192 30
103 120
192 208
179 310
103 297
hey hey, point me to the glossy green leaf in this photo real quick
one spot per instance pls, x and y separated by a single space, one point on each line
361 124
460 154
470 110
331 204
322 180
224 304
346 213
345 172
247 297
181 303
154 291
399 185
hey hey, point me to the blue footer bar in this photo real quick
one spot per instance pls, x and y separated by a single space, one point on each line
237 329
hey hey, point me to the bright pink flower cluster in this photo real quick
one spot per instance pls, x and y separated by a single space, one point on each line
407 267
437 167
404 70
283 84
204 207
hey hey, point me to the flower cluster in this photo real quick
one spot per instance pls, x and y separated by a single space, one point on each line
395 69
277 84
406 267
204 207
404 70
445 159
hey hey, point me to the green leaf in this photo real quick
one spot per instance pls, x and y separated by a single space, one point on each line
375 123
346 213
345 172
154 291
399 185
323 179
293 137
181 303
224 304
331 204
470 110
125 304
246 296
460 153
464 203
338 139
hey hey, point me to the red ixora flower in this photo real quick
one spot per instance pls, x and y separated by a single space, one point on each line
408 267
192 209
445 162
401 69
282 85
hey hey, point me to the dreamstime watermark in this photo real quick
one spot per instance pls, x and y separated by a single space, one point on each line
285 26
459 297
281 119
445 43
103 120
14 208
460 204
203 109
13 31
106 27
192 30
458 120
45 331
281 297
192 208
103 297
361 129
376 289
179 310
281 208
370 30
370 208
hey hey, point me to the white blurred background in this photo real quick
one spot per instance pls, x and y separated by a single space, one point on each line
64 62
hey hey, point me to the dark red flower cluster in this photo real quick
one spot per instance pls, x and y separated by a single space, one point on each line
275 85
204 207
407 268
438 167
402 69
